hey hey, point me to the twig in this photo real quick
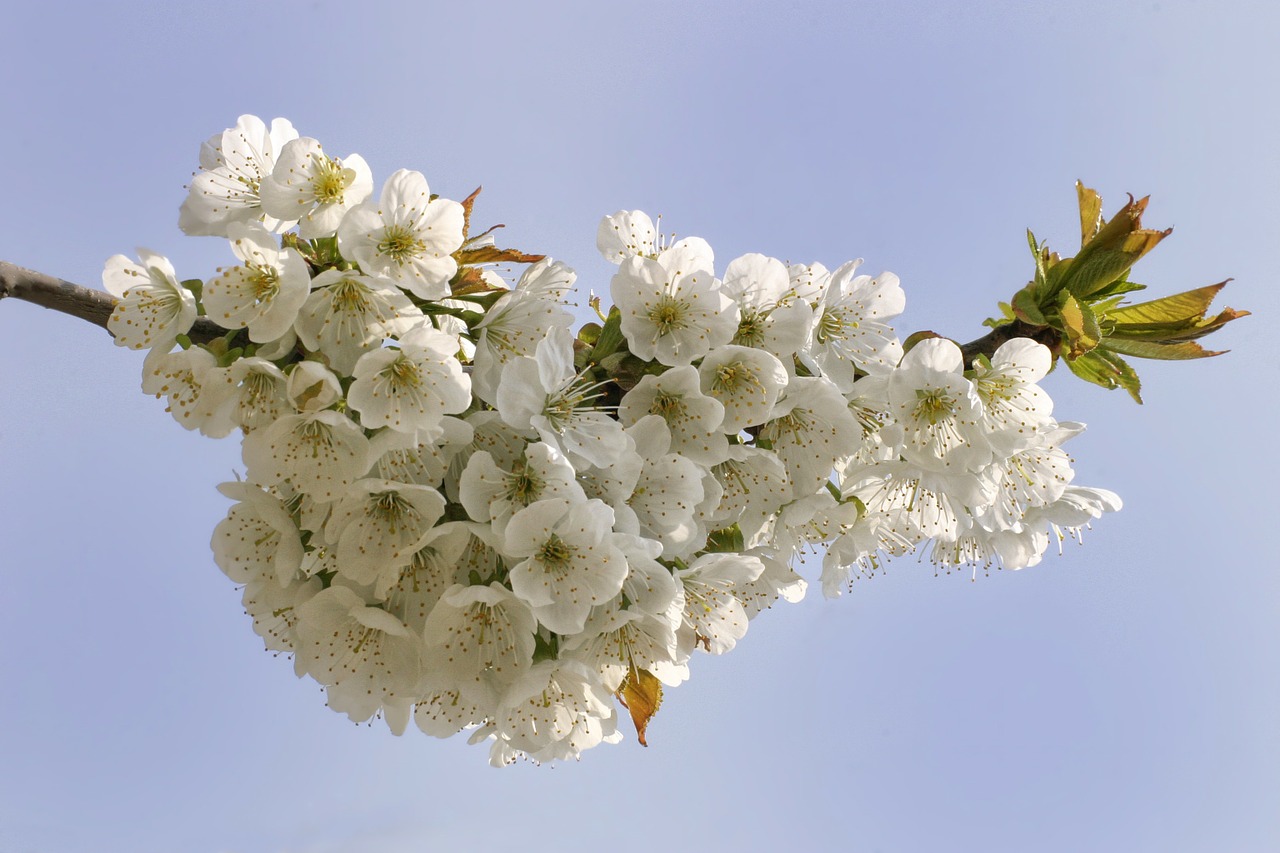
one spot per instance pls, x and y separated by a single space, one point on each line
94 306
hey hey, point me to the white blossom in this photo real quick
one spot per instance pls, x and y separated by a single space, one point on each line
376 529
152 308
315 190
547 395
673 310
349 314
557 709
479 632
770 319
407 236
320 454
181 378
747 382
851 325
713 616
365 657
938 409
517 323
1014 407
693 418
492 494
410 388
264 293
809 429
233 165
567 562
258 539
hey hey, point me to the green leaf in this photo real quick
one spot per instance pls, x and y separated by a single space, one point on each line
611 339
1188 305
1079 324
1090 212
1026 307
1164 350
1108 370
1038 252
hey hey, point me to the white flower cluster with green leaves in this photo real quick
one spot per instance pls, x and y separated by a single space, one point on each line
456 510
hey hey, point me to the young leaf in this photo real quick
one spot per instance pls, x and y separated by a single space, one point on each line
1108 370
1164 350
1115 248
1090 212
1079 324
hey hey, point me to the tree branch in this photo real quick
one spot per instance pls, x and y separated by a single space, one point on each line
990 342
94 306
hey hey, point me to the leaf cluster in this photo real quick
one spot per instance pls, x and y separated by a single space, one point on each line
1082 301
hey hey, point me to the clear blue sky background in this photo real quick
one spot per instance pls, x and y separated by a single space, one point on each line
1124 697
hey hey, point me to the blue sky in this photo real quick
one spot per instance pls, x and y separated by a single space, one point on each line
1122 697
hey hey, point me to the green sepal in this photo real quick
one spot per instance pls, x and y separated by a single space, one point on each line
545 647
196 286
590 333
726 539
979 360
916 337
184 342
627 370
229 357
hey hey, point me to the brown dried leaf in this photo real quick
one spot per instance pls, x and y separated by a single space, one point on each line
494 255
641 694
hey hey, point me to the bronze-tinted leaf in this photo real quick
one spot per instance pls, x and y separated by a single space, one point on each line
1116 247
470 280
494 255
467 204
641 694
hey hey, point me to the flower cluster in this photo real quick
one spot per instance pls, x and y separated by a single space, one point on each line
456 510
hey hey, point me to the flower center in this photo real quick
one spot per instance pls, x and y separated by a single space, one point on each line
670 314
403 373
399 243
390 508
833 326
670 406
933 405
266 282
524 486
350 297
555 554
330 180
750 330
